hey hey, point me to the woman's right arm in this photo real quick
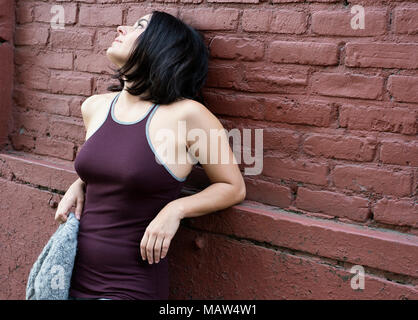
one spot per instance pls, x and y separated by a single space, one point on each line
75 193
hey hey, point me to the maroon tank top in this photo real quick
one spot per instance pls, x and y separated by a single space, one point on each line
125 189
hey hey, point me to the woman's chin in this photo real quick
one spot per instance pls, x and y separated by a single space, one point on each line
114 57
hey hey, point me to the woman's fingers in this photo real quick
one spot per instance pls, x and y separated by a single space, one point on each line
154 247
143 245
165 246
157 248
150 247
62 211
79 208
61 216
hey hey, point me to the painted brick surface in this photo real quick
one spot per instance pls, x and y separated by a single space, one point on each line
338 107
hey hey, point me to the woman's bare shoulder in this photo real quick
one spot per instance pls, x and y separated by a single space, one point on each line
196 111
90 105
189 108
97 99
93 105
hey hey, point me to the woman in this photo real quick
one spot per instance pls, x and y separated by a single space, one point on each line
132 207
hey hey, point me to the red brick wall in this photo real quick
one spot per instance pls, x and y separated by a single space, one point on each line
340 172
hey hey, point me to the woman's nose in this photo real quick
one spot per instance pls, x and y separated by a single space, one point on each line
121 29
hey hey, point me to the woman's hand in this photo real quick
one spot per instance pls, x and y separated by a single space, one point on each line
157 237
74 195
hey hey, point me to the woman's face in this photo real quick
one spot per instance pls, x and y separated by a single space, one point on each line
119 51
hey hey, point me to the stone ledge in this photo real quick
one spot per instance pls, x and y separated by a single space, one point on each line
37 170
227 268
376 248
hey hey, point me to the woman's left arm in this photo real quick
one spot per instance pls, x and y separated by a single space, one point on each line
227 188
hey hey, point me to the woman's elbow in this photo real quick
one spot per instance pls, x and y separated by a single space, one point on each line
242 193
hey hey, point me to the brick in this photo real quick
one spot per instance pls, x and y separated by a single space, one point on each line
274 21
333 204
24 12
101 84
96 63
399 152
405 20
375 248
373 180
245 49
397 212
100 16
256 20
315 113
56 174
268 192
77 39
274 78
223 76
74 104
70 129
288 21
54 148
30 121
304 53
285 141
42 13
22 141
211 19
52 104
297 1
31 35
257 78
403 88
53 60
296 170
235 105
233 1
340 147
338 23
135 11
70 83
33 76
348 85
396 120
382 55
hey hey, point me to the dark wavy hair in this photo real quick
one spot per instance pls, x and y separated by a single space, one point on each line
169 60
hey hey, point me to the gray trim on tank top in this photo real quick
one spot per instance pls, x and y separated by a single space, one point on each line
153 150
153 108
112 112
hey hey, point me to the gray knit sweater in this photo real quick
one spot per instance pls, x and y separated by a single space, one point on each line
50 276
